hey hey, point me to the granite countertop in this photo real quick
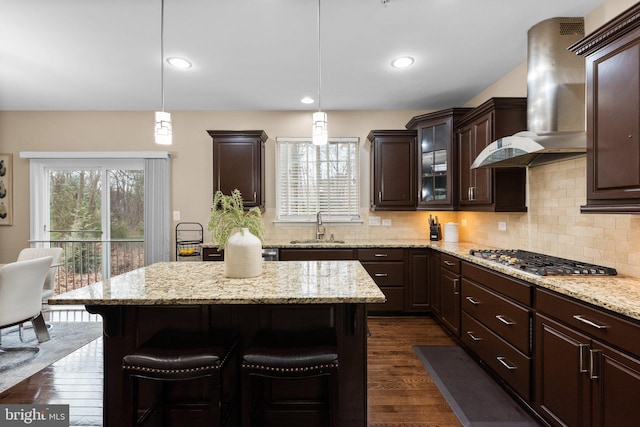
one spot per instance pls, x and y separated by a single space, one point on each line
619 294
176 283
400 243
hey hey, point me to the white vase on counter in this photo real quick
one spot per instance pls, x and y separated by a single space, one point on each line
243 255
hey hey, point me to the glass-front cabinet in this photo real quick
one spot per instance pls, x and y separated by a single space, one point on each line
434 167
437 158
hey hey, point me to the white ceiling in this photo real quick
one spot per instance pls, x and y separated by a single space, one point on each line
261 54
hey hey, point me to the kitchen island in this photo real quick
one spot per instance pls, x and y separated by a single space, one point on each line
197 296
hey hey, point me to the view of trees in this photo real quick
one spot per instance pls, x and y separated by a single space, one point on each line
76 204
76 223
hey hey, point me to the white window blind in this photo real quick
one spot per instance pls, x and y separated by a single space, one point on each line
312 178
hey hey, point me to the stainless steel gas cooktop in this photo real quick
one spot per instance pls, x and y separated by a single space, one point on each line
542 265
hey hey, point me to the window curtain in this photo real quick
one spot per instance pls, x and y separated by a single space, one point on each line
157 205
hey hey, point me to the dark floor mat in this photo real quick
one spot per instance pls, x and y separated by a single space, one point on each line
475 398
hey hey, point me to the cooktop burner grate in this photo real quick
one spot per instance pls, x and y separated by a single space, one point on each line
542 265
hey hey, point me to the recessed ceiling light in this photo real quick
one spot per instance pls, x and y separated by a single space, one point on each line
179 62
307 100
402 62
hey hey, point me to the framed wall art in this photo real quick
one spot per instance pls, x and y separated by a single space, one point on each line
6 189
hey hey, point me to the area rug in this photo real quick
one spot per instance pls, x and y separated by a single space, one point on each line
475 398
66 337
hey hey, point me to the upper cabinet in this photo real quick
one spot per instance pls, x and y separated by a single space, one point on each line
393 169
491 189
238 162
613 110
437 158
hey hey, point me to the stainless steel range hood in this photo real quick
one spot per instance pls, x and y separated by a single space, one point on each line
555 101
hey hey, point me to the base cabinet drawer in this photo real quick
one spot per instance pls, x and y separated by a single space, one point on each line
510 321
386 273
395 300
212 254
510 364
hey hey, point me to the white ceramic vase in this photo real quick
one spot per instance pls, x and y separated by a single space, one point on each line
243 255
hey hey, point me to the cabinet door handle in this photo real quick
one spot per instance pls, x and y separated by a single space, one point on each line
380 255
589 322
469 193
255 196
472 301
456 288
449 263
594 372
504 320
473 337
505 362
379 196
381 275
582 355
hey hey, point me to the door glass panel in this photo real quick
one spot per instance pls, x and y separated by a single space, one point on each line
434 164
440 137
126 220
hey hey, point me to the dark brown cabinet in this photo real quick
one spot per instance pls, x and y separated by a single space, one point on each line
238 162
562 378
496 324
613 107
434 284
319 254
418 289
387 267
587 369
393 169
491 189
450 293
437 158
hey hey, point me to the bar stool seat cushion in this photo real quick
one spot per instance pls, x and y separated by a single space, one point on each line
289 352
174 355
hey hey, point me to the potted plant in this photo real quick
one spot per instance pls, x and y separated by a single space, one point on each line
239 233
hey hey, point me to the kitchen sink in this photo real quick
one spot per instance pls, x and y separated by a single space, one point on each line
315 241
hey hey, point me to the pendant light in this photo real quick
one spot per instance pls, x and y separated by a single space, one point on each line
163 129
319 129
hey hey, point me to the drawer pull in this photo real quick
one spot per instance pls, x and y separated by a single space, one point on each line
472 301
504 320
214 255
381 274
505 362
449 263
381 255
473 337
589 322
582 347
594 372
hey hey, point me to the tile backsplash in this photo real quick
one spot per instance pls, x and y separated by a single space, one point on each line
553 224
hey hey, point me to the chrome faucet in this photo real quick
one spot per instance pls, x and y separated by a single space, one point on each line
319 227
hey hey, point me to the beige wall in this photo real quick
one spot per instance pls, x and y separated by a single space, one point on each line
553 223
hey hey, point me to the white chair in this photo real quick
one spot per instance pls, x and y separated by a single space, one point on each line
56 253
21 285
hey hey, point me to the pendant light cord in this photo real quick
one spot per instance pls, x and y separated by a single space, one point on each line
162 51
319 61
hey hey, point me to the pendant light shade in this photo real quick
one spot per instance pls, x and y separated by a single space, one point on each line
320 134
319 130
163 128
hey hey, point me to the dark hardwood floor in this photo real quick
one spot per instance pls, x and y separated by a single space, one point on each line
401 393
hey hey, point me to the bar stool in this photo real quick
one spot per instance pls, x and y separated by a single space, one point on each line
289 356
171 356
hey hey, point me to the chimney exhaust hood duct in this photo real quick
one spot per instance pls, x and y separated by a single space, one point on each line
555 101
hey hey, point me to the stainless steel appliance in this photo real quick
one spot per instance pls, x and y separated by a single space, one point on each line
540 264
270 254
